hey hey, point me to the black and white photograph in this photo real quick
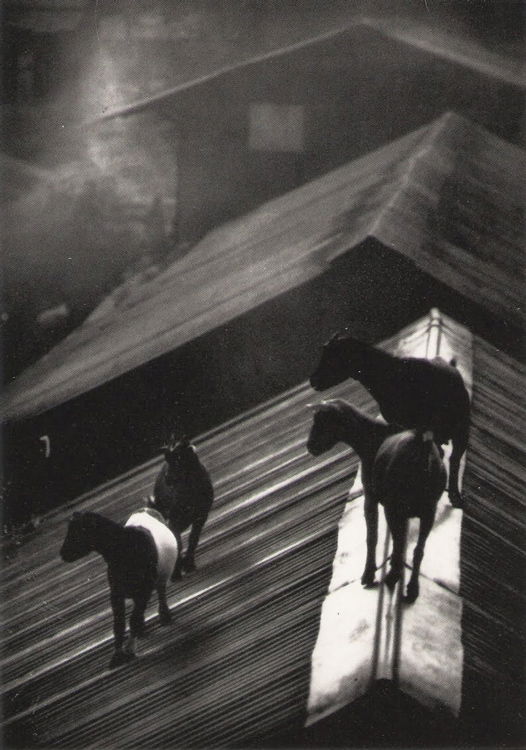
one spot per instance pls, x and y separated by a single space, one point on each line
263 374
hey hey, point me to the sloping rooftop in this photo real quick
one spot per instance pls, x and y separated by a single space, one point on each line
448 197
236 663
428 37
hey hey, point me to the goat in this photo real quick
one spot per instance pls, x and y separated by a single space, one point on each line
183 494
412 392
400 470
336 421
141 556
408 479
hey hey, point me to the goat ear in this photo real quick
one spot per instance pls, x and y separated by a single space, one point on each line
170 442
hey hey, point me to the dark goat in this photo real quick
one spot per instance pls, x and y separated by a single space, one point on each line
140 556
408 479
400 470
411 392
184 494
336 421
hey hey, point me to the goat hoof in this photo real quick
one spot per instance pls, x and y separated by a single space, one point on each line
368 580
390 580
188 565
176 575
411 596
165 618
455 498
120 658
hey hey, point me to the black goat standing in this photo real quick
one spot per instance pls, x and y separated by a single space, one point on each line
184 494
408 478
411 392
402 471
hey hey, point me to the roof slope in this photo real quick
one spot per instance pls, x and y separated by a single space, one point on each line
464 52
447 196
236 662
493 551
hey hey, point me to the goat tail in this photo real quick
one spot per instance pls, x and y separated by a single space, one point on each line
150 501
427 453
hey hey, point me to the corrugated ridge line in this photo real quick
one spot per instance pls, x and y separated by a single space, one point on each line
445 232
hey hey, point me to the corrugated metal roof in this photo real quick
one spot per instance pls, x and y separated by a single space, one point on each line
493 551
447 196
235 663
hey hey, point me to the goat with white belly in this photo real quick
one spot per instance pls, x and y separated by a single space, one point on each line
141 556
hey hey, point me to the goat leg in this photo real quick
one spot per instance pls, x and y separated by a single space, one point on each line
459 445
371 522
119 626
413 587
398 529
164 613
137 628
177 571
188 562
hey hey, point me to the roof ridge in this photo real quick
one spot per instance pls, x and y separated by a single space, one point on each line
494 67
437 42
429 139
